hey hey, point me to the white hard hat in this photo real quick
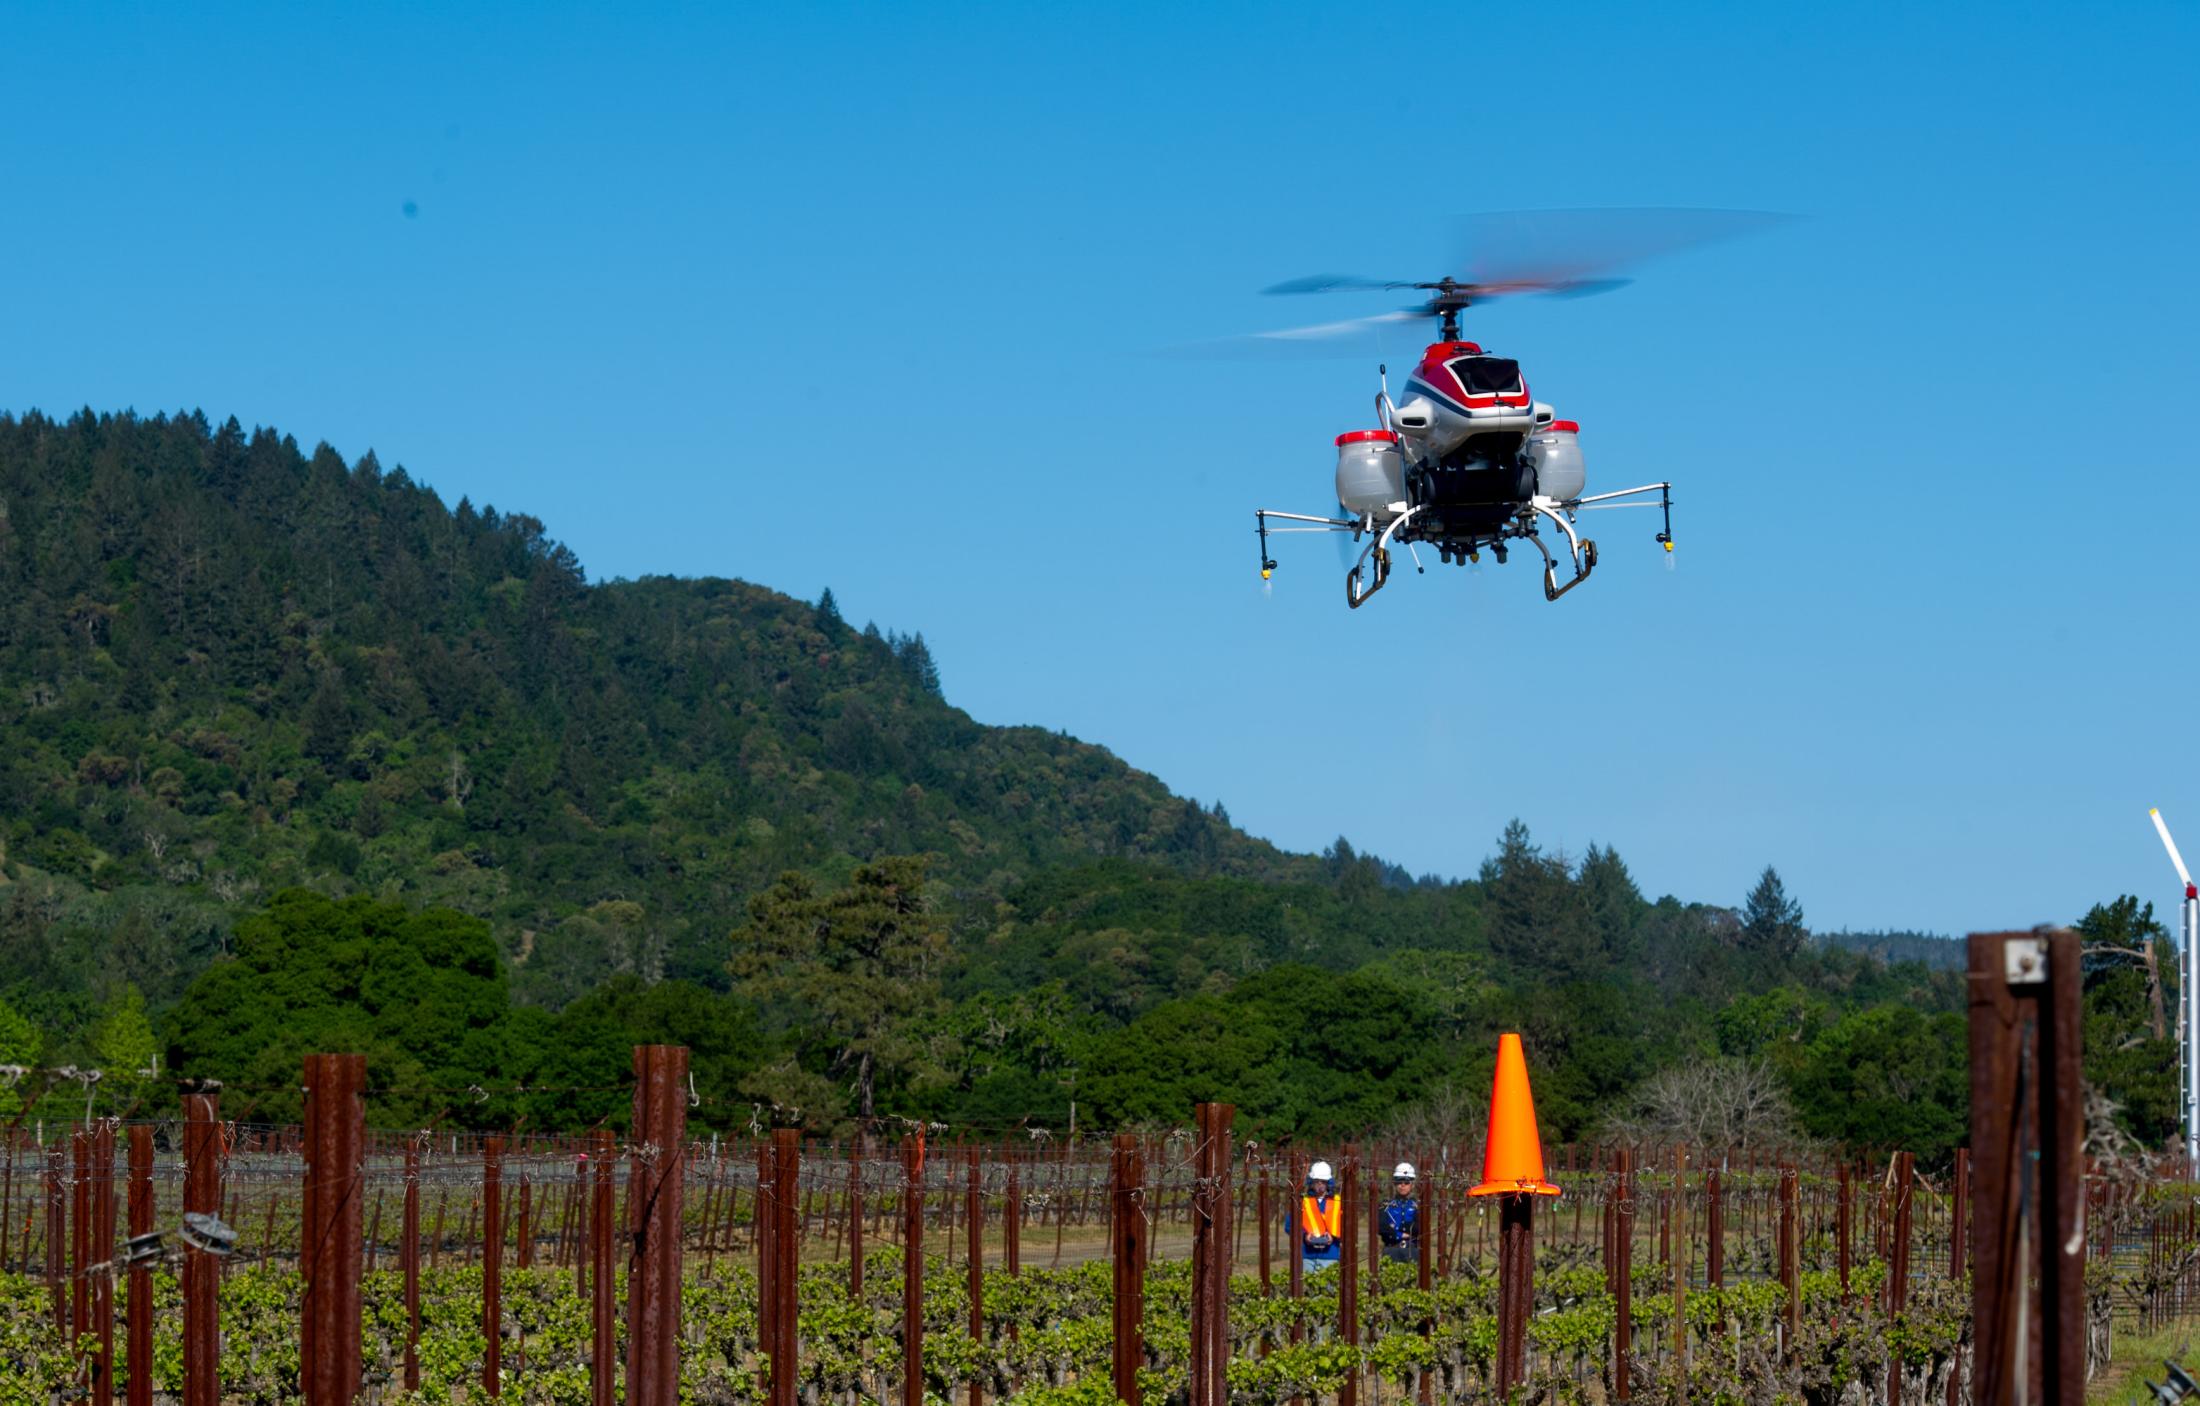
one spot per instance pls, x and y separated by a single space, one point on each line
1403 1173
1318 1172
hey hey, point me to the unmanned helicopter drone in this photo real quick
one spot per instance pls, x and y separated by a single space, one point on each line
1469 461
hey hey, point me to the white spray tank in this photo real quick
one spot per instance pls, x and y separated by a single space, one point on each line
1555 451
1371 474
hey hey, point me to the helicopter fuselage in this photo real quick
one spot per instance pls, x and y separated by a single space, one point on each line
1465 461
1466 449
1468 463
1460 403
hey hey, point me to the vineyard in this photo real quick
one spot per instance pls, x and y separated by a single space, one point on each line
1024 1269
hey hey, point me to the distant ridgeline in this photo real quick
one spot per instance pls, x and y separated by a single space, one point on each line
1933 950
239 681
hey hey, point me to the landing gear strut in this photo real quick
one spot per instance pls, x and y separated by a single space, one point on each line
1379 549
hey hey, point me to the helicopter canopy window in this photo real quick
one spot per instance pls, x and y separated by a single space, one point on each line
1488 375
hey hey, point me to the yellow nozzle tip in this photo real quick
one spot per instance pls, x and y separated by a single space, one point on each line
1265 575
1669 546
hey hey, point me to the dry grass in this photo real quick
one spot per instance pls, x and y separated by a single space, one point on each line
2135 1358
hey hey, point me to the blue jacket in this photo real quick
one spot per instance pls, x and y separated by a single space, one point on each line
1400 1221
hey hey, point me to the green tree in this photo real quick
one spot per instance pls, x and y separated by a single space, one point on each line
718 1031
1536 917
1886 1078
328 723
1025 1045
916 657
1776 1025
1772 923
1296 1049
123 1048
1611 903
852 969
421 994
2130 1054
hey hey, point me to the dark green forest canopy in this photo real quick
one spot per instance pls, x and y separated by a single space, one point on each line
233 667
286 736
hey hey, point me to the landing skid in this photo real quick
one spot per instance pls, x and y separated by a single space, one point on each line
1585 561
1371 571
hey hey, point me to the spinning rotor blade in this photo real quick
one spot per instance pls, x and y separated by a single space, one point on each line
1333 283
1579 288
1560 251
1358 336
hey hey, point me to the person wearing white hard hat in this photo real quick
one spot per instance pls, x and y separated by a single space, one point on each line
1399 1223
1320 1218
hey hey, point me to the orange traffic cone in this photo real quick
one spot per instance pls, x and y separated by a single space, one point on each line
1512 1158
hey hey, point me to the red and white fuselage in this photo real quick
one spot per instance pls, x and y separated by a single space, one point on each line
1457 395
1468 433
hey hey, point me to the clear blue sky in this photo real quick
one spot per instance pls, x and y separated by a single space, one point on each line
862 296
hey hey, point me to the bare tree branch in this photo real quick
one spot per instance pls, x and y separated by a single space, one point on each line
1714 1103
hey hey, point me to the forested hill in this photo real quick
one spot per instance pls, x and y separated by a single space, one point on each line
232 666
294 755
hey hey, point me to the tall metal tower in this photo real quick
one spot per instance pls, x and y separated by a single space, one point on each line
2189 998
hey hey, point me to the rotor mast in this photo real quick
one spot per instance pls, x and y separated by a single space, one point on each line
1451 299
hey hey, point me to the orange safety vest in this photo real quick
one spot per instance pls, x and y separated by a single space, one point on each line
1319 1216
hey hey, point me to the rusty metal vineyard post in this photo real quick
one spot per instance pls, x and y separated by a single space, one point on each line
912 1270
1714 1231
1012 1228
140 1392
7 1189
492 1265
80 1236
408 1260
603 1314
1676 1266
1127 1233
523 1244
1374 1230
1515 1287
1959 1214
2027 1132
1348 1271
332 1238
1843 1230
974 1232
374 1234
1904 1175
855 1219
202 1195
765 1223
1262 1214
1623 1273
1423 1248
1959 1203
784 1342
1295 1198
99 1265
1211 1255
1791 1266
655 1185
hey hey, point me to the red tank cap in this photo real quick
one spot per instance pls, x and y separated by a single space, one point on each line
1564 427
1362 436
